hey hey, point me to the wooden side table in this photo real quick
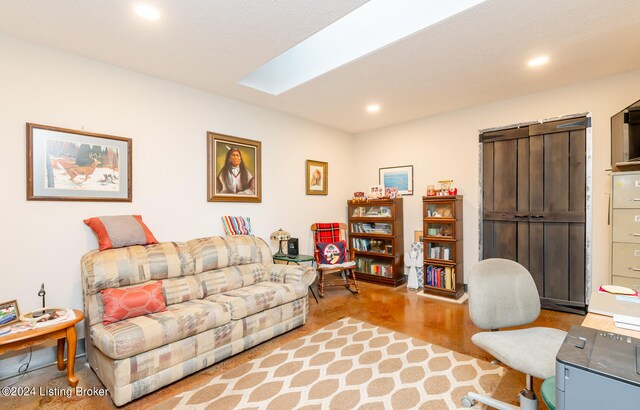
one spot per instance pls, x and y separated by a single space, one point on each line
64 331
298 260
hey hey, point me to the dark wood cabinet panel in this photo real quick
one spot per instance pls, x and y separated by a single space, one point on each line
536 255
577 262
536 211
505 159
556 261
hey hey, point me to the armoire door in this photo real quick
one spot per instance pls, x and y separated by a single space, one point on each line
534 206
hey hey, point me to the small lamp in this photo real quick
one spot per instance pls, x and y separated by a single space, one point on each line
280 236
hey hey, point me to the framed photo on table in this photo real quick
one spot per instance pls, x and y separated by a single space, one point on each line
71 165
398 177
317 177
9 313
234 172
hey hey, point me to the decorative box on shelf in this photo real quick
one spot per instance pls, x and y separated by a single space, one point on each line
443 264
376 236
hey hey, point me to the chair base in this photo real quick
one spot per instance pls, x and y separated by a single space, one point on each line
527 399
350 284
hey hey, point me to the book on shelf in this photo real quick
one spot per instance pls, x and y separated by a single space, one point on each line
440 277
374 267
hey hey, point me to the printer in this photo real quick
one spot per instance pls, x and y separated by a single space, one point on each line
596 369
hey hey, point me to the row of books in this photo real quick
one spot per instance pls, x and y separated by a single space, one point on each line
440 277
374 267
370 245
440 252
371 228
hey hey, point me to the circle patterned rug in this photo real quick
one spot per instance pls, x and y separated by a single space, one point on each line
348 364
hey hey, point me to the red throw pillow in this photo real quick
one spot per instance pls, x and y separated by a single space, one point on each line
331 253
120 304
120 231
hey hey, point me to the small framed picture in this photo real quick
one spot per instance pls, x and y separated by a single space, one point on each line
376 191
9 313
317 177
418 236
400 178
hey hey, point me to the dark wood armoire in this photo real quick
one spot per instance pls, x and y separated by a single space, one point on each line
534 197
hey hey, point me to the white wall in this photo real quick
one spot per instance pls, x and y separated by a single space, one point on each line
42 241
446 147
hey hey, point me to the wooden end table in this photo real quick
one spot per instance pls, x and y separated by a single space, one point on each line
297 260
63 331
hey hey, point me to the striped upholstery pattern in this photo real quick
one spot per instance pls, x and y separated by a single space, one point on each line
140 334
138 367
177 290
222 251
252 299
229 278
236 225
290 274
135 264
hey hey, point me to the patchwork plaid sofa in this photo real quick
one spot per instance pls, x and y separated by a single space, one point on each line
223 295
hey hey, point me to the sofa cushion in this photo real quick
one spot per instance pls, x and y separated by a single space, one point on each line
114 268
222 251
120 230
143 333
120 304
256 298
229 278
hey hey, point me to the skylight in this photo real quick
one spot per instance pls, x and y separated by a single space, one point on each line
374 25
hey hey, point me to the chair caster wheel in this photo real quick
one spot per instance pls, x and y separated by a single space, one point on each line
467 402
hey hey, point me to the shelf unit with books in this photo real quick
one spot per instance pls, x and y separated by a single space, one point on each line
443 263
376 237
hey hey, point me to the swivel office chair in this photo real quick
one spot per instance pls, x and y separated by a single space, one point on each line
502 293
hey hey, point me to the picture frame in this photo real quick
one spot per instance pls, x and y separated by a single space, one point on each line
317 177
228 180
418 236
400 177
71 165
376 191
9 313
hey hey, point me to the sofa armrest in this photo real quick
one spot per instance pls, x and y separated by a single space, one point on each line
291 273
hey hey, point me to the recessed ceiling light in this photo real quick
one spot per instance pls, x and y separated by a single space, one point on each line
373 108
147 12
375 24
534 62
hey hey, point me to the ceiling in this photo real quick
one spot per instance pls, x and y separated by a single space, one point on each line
473 58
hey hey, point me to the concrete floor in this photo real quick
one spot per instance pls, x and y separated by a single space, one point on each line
442 323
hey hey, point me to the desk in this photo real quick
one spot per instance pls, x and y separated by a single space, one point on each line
297 260
606 324
602 307
62 332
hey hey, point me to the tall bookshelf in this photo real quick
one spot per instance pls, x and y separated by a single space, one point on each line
376 237
443 251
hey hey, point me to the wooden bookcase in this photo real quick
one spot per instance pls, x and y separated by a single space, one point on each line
443 245
376 237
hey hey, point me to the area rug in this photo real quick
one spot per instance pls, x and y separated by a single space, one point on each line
348 364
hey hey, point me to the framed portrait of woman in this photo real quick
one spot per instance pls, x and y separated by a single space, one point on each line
234 171
317 177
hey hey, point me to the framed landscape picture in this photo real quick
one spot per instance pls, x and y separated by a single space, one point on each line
317 177
71 165
233 169
398 177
